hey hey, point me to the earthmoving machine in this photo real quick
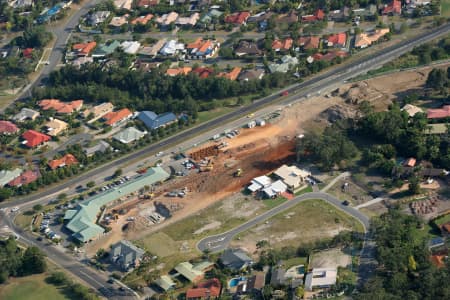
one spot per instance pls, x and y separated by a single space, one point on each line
207 167
237 173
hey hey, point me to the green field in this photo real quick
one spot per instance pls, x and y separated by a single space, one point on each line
271 203
204 116
31 287
445 8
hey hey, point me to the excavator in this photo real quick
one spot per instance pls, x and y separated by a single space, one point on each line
237 173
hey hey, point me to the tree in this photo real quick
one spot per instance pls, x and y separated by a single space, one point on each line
58 278
437 79
37 207
90 184
117 173
33 261
5 193
414 185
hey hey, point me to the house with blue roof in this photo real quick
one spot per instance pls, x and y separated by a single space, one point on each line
154 121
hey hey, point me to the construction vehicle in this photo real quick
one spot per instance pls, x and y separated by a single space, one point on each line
237 173
209 166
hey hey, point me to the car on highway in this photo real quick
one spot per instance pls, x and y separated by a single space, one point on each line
14 209
285 93
345 203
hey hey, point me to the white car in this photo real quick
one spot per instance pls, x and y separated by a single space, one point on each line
14 209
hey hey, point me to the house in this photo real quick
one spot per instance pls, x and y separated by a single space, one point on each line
445 229
143 20
9 175
84 49
33 138
166 19
82 220
61 107
337 40
66 160
254 74
27 52
153 50
256 282
277 278
209 289
153 121
203 72
282 45
288 18
98 17
171 48
26 177
394 8
292 176
178 71
79 61
440 128
26 114
364 39
129 135
126 255
202 49
119 21
130 47
106 49
165 283
238 18
147 3
261 17
329 56
259 183
410 162
232 75
212 14
309 42
439 113
193 273
439 260
318 15
320 278
287 62
276 188
8 127
411 110
436 243
55 127
235 259
247 48
119 117
123 4
340 15
97 111
100 147
188 21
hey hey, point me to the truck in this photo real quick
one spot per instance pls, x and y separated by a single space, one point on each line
285 93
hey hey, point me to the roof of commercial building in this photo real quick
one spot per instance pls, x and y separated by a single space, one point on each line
8 175
83 218
129 135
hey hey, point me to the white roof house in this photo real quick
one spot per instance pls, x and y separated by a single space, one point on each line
171 47
259 183
130 47
320 278
292 176
275 189
129 135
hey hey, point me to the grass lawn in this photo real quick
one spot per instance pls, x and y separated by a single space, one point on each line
442 220
204 116
31 287
24 220
307 189
271 203
160 244
307 222
445 8
295 262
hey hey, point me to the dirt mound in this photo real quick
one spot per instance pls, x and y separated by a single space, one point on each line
338 112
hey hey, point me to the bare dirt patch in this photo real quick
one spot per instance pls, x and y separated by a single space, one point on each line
330 259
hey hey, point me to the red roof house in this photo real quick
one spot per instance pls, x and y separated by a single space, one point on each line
84 49
33 138
66 160
309 42
25 178
203 72
393 8
209 289
439 113
318 15
282 45
329 56
410 162
147 3
61 107
338 39
238 18
27 53
7 127
115 117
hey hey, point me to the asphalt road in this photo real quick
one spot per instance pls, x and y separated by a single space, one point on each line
217 243
296 91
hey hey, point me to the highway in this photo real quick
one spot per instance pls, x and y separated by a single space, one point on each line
297 92
220 242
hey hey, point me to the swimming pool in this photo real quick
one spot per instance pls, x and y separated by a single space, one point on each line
235 281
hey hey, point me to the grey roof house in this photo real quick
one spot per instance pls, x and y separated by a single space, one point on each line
100 147
235 259
129 135
126 255
8 175
26 114
154 121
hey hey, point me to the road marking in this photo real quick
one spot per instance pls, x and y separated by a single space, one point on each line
90 277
